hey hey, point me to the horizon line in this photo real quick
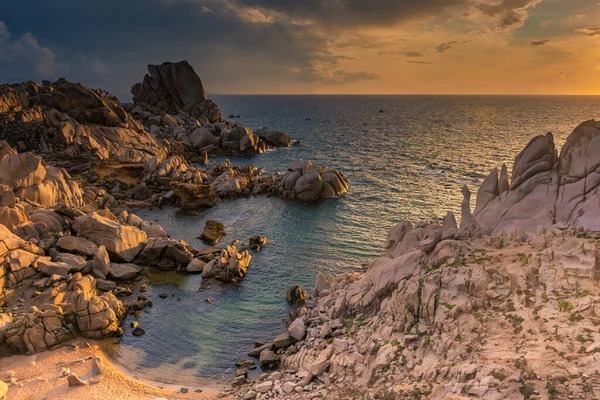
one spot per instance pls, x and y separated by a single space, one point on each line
401 94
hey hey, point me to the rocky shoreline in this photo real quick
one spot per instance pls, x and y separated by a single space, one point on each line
449 311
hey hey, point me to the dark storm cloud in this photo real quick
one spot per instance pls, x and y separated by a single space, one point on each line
445 46
537 43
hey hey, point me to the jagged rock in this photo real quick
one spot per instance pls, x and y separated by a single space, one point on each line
70 120
122 242
213 231
230 266
546 189
274 138
255 243
77 245
175 86
101 261
310 182
95 317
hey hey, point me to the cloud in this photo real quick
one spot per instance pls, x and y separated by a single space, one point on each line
420 62
445 46
537 43
26 49
340 77
508 14
590 31
207 10
349 13
412 54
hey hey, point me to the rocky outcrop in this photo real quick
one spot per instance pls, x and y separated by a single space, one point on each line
450 321
174 87
274 138
230 266
71 309
26 176
546 189
66 120
171 103
307 181
123 243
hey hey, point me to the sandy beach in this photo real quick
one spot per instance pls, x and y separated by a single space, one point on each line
40 376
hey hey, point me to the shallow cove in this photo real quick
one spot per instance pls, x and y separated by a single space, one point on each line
408 162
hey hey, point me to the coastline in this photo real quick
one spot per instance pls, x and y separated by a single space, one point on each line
39 376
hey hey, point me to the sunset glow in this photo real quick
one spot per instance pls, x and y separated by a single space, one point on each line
313 47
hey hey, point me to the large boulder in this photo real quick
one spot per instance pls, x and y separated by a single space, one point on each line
167 254
195 196
175 86
123 242
309 182
274 138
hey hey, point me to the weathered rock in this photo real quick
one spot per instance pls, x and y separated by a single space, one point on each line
101 261
165 253
310 182
195 266
230 266
284 340
96 374
257 242
70 120
122 242
6 323
213 231
295 295
274 138
175 86
124 272
193 196
297 329
50 268
77 245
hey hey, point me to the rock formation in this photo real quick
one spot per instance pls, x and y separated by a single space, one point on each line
307 181
546 189
175 87
172 104
65 120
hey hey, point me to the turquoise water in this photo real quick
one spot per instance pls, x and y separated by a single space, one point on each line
407 162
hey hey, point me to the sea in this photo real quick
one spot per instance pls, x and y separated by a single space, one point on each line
406 158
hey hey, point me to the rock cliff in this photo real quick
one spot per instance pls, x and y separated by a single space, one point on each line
546 189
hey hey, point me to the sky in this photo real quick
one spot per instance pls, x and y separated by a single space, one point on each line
310 46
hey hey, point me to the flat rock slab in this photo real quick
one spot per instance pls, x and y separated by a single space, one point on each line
124 271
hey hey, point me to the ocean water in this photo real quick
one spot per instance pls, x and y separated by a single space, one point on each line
408 161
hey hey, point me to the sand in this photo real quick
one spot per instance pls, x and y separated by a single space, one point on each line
38 377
